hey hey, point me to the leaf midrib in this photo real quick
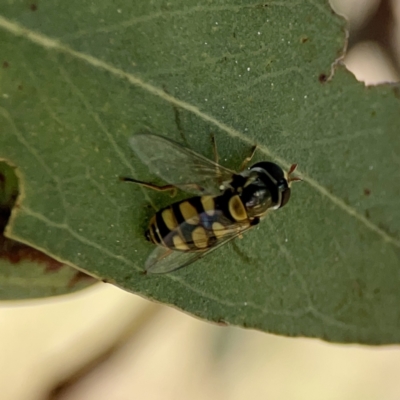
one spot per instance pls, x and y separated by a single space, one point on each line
49 43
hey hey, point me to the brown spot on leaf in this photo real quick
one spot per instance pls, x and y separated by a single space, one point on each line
367 191
33 7
12 250
304 39
323 78
16 252
6 64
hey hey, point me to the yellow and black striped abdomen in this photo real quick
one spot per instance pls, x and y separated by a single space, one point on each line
197 223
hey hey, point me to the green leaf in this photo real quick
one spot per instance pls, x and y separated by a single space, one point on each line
32 280
26 272
80 78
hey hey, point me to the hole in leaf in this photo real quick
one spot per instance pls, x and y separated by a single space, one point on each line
373 53
15 253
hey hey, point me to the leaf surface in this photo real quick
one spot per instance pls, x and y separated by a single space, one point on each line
80 78
26 272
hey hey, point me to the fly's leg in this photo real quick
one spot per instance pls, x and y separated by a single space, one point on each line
215 150
177 117
165 188
245 161
248 158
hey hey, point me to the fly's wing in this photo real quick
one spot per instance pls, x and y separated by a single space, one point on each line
179 165
163 260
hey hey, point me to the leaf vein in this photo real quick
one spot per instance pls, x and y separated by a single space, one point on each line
176 13
293 314
51 44
37 156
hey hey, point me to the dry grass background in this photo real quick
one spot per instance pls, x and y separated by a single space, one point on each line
104 344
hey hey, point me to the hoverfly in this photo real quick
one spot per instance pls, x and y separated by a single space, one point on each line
226 203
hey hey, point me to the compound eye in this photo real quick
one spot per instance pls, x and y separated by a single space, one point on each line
285 197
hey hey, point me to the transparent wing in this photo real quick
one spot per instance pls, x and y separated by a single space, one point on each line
179 165
163 260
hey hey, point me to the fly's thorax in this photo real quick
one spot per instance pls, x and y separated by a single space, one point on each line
266 188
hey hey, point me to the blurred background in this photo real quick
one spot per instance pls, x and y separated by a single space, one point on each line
104 343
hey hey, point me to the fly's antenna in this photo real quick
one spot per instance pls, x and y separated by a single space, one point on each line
290 178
